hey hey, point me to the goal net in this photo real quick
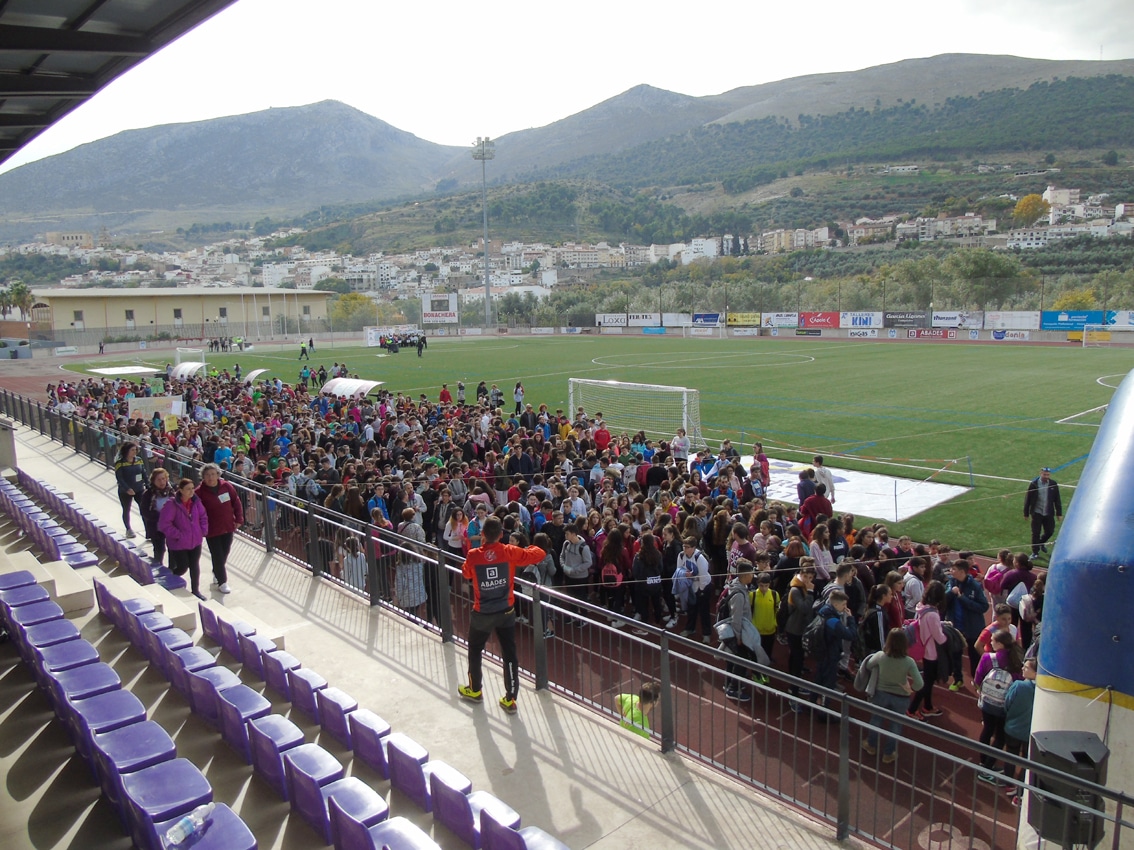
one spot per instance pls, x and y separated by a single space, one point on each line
1097 336
653 408
190 355
711 330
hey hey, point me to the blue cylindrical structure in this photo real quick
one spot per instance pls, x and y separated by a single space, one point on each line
1086 659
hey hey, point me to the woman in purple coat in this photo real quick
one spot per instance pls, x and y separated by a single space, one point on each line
184 523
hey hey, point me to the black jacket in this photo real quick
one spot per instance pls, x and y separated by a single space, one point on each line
1054 502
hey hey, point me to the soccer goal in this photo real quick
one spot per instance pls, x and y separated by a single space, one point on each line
190 355
1097 336
653 408
717 331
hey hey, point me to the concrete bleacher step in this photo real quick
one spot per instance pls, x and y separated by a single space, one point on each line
68 588
73 592
12 562
183 616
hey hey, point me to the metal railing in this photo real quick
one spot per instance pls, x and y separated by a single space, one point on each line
804 751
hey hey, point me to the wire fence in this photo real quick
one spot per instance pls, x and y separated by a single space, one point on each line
802 744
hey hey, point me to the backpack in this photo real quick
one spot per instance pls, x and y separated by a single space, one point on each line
724 611
994 579
916 646
994 690
815 638
611 576
783 612
640 475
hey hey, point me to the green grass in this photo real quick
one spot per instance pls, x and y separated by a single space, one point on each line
913 405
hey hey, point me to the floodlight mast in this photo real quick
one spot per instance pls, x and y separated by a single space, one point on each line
484 150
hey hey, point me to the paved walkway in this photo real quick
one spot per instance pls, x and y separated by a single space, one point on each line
561 766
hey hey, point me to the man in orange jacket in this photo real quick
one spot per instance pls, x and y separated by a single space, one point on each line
491 567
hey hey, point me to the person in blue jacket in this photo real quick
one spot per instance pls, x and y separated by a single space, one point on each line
839 626
965 605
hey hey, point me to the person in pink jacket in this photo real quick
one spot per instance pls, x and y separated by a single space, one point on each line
933 636
184 523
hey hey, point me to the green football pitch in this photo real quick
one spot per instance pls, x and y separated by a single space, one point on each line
982 415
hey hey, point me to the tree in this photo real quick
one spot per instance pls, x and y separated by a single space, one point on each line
333 284
1110 158
1049 159
352 312
1030 209
21 298
984 279
1076 299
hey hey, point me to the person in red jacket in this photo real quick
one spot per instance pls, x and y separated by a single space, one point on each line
491 567
226 513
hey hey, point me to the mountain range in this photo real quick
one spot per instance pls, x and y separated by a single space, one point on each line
288 161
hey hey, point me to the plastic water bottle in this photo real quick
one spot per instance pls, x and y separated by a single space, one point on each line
188 825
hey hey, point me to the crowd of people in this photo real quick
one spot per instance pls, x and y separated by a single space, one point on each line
655 531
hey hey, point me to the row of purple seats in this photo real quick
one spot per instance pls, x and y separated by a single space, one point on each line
310 780
130 556
133 759
306 775
54 541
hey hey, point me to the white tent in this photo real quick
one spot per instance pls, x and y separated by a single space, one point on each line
253 375
187 370
350 387
125 371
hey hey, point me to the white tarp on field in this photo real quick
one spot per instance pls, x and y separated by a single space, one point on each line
864 494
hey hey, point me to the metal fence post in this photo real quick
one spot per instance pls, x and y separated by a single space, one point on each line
372 565
668 722
269 522
444 601
39 418
842 828
314 555
540 642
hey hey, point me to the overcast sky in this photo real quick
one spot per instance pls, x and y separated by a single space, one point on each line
449 72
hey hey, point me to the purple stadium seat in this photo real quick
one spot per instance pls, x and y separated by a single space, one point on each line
308 768
159 794
334 708
350 826
156 643
230 633
81 683
19 578
127 749
47 634
180 663
410 770
268 739
400 834
210 625
251 648
26 616
135 625
368 733
497 836
356 800
276 666
304 683
224 830
103 713
204 685
20 596
236 706
60 657
459 811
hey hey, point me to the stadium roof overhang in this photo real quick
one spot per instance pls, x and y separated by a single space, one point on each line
57 54
348 387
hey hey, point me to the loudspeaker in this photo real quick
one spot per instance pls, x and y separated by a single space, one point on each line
1081 755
